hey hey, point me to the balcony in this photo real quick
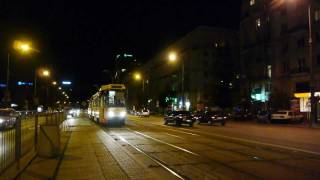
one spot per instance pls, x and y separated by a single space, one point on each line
300 70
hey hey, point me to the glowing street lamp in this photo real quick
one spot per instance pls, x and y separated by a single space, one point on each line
45 73
22 46
172 57
137 76
54 83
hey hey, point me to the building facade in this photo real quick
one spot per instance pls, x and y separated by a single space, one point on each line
205 71
274 48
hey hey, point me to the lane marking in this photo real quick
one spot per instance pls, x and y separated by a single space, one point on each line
174 135
170 129
152 158
163 142
262 143
248 141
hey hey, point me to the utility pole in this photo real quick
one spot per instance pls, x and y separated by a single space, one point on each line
313 115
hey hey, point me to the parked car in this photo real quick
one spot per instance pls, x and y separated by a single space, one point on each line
178 118
7 118
211 117
243 115
287 116
144 113
263 117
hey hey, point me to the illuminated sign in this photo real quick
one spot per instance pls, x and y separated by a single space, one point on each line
20 83
3 85
66 82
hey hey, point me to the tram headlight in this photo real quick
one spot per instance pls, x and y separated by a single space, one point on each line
110 114
123 114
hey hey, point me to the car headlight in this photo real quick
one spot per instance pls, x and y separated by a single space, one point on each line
225 117
123 114
110 114
1 121
213 117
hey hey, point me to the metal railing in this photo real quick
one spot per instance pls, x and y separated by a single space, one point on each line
21 136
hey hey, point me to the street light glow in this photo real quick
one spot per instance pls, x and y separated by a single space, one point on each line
22 46
46 73
54 83
137 76
172 57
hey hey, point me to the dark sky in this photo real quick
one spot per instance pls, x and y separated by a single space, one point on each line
78 39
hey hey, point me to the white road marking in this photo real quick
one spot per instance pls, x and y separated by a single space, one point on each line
174 146
174 135
262 143
248 141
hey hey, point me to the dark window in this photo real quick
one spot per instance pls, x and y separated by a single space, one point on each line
205 63
284 67
205 74
285 48
284 12
284 28
318 36
318 60
302 87
301 63
301 42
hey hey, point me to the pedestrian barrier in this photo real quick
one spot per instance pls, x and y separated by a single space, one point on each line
22 137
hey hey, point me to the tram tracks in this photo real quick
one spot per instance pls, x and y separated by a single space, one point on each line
251 146
173 168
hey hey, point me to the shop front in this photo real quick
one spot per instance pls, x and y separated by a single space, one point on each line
304 102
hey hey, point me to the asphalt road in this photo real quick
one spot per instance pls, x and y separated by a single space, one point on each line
237 151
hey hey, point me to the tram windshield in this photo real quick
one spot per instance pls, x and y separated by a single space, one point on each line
115 98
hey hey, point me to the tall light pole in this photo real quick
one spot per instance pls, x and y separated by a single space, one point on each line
22 47
173 57
139 77
313 115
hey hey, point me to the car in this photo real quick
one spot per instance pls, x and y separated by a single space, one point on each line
178 118
7 118
243 115
287 116
211 117
263 117
144 113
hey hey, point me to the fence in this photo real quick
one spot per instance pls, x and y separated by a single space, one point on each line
19 136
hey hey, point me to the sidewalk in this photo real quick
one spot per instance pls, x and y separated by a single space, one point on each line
90 153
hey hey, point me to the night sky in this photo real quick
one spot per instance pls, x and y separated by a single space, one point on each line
78 39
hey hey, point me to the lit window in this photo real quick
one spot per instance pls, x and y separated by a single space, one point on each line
269 69
317 15
252 2
258 23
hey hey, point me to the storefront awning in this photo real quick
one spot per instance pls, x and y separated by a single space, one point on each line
305 95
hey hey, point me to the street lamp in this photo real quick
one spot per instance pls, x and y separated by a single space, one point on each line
21 47
137 76
45 73
54 83
173 57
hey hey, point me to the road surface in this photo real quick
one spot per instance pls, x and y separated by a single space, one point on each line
237 151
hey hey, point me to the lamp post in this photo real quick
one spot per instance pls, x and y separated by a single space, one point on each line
173 57
313 115
138 77
22 47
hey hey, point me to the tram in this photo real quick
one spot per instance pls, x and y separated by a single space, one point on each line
108 105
